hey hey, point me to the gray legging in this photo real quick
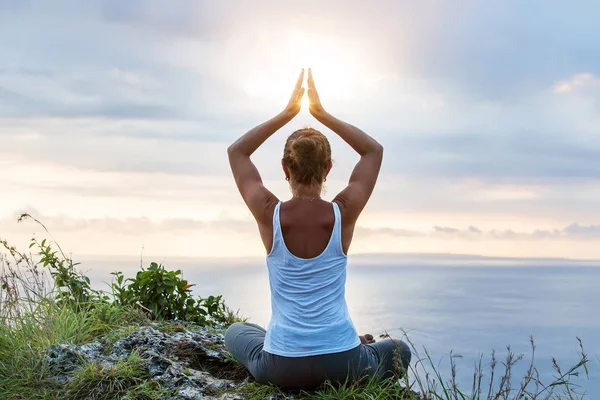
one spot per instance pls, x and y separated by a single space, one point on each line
245 342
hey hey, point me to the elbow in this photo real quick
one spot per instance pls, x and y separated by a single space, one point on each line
235 151
373 148
231 153
232 150
378 149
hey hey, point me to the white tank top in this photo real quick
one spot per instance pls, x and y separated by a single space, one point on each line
309 314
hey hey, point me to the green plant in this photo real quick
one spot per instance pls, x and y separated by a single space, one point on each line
216 309
365 389
94 381
73 288
23 283
164 293
149 390
23 368
161 293
429 381
167 296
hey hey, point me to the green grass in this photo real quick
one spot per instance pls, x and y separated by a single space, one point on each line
368 389
23 341
127 379
171 327
113 336
148 390
96 382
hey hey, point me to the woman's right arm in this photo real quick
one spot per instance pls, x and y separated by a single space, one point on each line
364 176
246 175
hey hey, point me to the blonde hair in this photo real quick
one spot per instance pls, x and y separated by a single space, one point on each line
307 154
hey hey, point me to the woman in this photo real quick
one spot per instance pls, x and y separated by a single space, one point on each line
310 337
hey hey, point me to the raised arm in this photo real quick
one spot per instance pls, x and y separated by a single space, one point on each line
247 178
364 176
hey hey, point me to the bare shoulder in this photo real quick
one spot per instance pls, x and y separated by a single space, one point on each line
265 223
349 218
348 212
348 208
266 217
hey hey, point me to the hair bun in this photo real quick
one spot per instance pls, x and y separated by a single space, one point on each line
308 154
303 146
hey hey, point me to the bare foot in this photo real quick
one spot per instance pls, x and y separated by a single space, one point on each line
367 339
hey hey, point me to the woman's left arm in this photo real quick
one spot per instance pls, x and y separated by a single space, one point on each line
247 177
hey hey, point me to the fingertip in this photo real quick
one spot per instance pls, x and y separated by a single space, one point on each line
310 77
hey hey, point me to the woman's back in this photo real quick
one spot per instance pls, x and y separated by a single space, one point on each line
309 311
307 226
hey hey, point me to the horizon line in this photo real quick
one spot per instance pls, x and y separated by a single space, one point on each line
432 255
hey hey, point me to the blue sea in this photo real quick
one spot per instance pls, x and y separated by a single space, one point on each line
467 305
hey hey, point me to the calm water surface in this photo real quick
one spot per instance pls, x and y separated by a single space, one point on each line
442 305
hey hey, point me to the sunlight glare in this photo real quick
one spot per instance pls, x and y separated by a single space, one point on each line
305 102
335 67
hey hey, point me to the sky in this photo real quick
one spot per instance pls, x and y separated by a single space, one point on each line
115 117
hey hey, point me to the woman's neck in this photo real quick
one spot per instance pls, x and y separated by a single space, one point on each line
306 193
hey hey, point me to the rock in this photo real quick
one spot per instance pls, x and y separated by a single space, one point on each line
231 397
63 358
192 361
190 393
66 358
278 396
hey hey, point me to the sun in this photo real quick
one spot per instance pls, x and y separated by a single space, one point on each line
334 64
305 102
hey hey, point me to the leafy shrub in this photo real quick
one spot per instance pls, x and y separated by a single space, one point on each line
72 287
167 296
217 310
162 294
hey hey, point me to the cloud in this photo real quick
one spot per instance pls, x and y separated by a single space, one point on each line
577 230
571 232
145 225
134 226
582 80
471 44
446 230
89 92
393 232
227 236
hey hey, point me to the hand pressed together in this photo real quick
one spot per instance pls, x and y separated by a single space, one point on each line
315 107
294 105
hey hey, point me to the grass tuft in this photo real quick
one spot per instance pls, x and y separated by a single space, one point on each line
97 382
366 389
